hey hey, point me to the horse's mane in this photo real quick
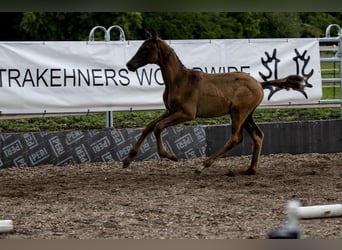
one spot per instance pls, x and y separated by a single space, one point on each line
173 52
181 63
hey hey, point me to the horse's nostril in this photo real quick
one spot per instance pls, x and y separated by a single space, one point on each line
130 66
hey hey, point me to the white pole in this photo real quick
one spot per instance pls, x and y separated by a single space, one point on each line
322 211
6 226
292 216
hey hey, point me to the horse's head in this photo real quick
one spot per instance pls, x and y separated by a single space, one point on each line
147 53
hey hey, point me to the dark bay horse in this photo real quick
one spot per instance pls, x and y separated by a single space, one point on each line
189 94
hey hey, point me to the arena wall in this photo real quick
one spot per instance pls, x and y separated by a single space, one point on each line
285 137
77 146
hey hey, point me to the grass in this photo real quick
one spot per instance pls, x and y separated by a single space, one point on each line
52 123
331 91
141 118
331 70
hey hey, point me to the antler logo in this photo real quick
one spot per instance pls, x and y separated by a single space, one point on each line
271 65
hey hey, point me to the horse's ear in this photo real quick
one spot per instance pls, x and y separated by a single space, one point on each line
151 35
154 36
148 34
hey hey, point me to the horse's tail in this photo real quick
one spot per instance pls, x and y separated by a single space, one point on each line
292 81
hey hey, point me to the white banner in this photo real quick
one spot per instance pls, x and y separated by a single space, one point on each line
53 77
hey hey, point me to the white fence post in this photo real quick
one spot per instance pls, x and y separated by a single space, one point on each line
336 58
108 114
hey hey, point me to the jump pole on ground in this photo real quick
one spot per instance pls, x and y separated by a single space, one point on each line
321 211
6 226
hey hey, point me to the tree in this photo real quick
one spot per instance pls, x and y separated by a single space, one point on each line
198 25
75 26
316 23
10 26
281 24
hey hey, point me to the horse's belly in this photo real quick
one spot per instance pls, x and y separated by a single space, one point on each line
212 108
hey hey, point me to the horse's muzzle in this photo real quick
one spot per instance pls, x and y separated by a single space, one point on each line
131 67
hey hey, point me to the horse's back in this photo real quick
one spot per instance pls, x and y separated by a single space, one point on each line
220 92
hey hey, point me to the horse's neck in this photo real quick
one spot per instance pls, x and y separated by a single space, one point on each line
170 65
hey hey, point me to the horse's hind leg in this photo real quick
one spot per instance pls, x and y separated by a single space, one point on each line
257 136
234 140
148 129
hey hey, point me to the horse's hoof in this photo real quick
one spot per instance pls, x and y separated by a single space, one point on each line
198 171
125 164
168 155
230 174
250 172
174 159
207 163
171 157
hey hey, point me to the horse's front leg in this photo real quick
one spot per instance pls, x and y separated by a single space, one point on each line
171 120
135 149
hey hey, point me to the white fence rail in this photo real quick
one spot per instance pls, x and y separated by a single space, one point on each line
336 58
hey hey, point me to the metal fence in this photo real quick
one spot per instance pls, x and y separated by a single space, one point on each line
122 37
334 45
331 53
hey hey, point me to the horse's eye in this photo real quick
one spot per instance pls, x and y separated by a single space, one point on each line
149 47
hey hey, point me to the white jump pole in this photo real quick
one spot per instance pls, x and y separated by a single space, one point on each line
6 226
321 211
295 212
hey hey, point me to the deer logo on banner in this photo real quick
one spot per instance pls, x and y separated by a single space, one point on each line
271 65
